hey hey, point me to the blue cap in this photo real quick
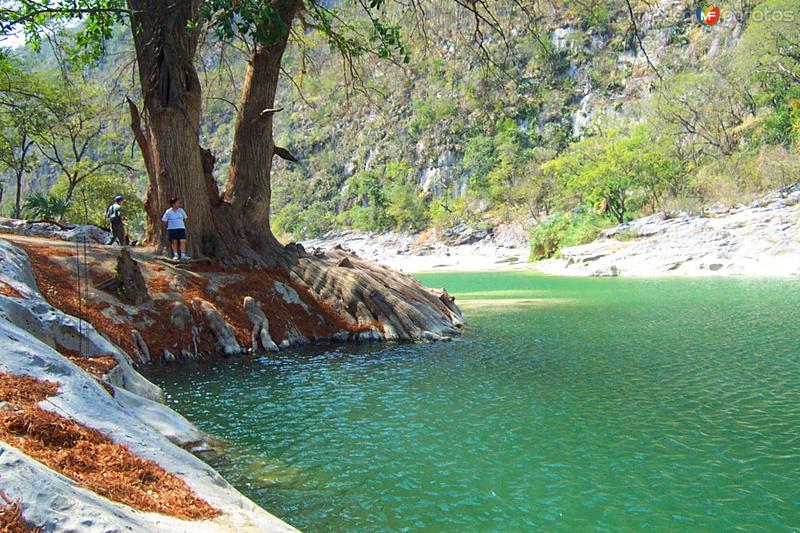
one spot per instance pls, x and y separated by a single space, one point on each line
119 198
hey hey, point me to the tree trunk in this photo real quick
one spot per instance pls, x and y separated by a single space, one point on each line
373 302
19 172
234 228
165 44
18 199
249 188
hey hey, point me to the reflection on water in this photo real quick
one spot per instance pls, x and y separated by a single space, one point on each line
602 404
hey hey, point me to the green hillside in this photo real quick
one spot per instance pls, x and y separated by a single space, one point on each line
562 110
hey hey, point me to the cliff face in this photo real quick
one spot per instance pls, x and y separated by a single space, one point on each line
464 140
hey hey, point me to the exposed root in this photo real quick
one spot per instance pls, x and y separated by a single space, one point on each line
366 293
88 457
333 296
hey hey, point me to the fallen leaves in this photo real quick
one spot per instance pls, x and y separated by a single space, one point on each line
89 457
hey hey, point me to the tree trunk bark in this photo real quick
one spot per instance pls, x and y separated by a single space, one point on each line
165 37
235 228
249 181
18 199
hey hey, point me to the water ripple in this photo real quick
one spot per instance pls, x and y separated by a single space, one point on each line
607 405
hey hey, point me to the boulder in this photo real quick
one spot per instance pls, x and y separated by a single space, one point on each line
66 232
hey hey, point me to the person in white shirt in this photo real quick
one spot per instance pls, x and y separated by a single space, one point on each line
175 218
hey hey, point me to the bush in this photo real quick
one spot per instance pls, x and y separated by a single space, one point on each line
40 207
92 196
564 230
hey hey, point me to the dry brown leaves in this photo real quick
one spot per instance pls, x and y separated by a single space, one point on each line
58 285
90 458
11 520
8 290
97 366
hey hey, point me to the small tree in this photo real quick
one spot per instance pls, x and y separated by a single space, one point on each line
20 120
75 130
16 155
92 196
607 171
406 205
368 191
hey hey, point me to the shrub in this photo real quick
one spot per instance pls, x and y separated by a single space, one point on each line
92 196
564 230
40 207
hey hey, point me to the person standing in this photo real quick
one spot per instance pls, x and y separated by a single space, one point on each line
175 217
115 216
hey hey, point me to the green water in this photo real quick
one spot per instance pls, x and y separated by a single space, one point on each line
568 405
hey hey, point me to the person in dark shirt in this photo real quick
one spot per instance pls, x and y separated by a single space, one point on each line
115 216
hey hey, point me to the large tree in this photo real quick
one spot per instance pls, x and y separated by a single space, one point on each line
232 225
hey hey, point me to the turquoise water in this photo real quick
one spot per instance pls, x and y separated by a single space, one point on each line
568 405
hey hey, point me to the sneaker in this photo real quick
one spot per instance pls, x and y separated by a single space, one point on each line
185 257
174 257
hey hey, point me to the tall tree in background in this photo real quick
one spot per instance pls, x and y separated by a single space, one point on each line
73 129
20 121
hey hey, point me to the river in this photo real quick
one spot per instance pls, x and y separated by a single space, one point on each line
569 404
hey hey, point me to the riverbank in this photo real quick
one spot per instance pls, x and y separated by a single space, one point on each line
459 249
761 238
85 442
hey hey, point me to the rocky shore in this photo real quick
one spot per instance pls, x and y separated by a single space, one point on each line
85 442
41 344
761 238
462 248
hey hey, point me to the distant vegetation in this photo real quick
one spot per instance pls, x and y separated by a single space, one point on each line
568 128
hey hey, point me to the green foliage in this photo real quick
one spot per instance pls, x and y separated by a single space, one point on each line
406 209
92 197
384 199
38 206
769 53
614 171
782 124
564 230
430 111
36 19
748 172
370 211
